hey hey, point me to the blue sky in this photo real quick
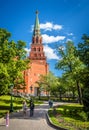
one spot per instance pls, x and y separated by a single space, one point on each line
60 20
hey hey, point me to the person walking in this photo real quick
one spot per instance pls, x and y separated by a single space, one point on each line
50 103
32 109
24 108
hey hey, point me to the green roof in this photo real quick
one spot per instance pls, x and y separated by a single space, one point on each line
37 25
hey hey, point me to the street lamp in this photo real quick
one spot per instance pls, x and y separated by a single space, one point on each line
11 104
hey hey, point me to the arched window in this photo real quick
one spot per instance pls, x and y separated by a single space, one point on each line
39 49
33 40
34 49
37 39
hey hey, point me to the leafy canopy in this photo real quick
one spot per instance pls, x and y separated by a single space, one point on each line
12 62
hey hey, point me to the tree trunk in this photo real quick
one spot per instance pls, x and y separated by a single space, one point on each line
73 92
79 93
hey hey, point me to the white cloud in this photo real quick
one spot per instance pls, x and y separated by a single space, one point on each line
51 39
49 26
57 27
70 34
50 53
46 26
68 40
62 48
27 50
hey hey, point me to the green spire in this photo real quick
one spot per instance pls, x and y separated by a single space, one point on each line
37 25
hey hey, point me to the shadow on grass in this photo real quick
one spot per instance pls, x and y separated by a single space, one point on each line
72 112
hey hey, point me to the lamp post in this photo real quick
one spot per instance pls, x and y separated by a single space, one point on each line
11 104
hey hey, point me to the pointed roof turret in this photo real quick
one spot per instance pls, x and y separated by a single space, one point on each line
37 25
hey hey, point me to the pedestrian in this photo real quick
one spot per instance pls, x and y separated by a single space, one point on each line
7 119
50 103
24 108
32 109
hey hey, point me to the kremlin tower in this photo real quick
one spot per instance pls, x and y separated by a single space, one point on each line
38 63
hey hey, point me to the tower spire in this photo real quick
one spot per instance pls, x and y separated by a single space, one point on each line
37 12
37 54
37 25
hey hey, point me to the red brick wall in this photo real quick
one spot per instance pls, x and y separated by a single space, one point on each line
32 75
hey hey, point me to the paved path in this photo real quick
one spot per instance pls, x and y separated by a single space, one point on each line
37 122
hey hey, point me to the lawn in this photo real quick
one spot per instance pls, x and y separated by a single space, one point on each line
5 101
71 117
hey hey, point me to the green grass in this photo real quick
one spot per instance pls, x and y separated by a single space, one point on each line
38 102
5 101
71 117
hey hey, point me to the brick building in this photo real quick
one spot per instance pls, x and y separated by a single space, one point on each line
38 62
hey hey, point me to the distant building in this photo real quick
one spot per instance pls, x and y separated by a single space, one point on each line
38 62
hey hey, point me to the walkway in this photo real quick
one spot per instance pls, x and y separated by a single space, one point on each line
37 122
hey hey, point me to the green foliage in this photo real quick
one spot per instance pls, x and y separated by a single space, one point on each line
5 101
70 116
72 67
48 83
12 62
86 99
83 115
83 52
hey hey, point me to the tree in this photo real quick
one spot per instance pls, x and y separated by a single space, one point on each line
83 53
40 87
4 79
48 83
71 65
68 86
83 50
12 62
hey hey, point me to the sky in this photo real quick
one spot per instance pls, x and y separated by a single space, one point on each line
60 21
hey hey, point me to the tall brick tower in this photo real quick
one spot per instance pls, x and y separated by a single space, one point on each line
38 63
